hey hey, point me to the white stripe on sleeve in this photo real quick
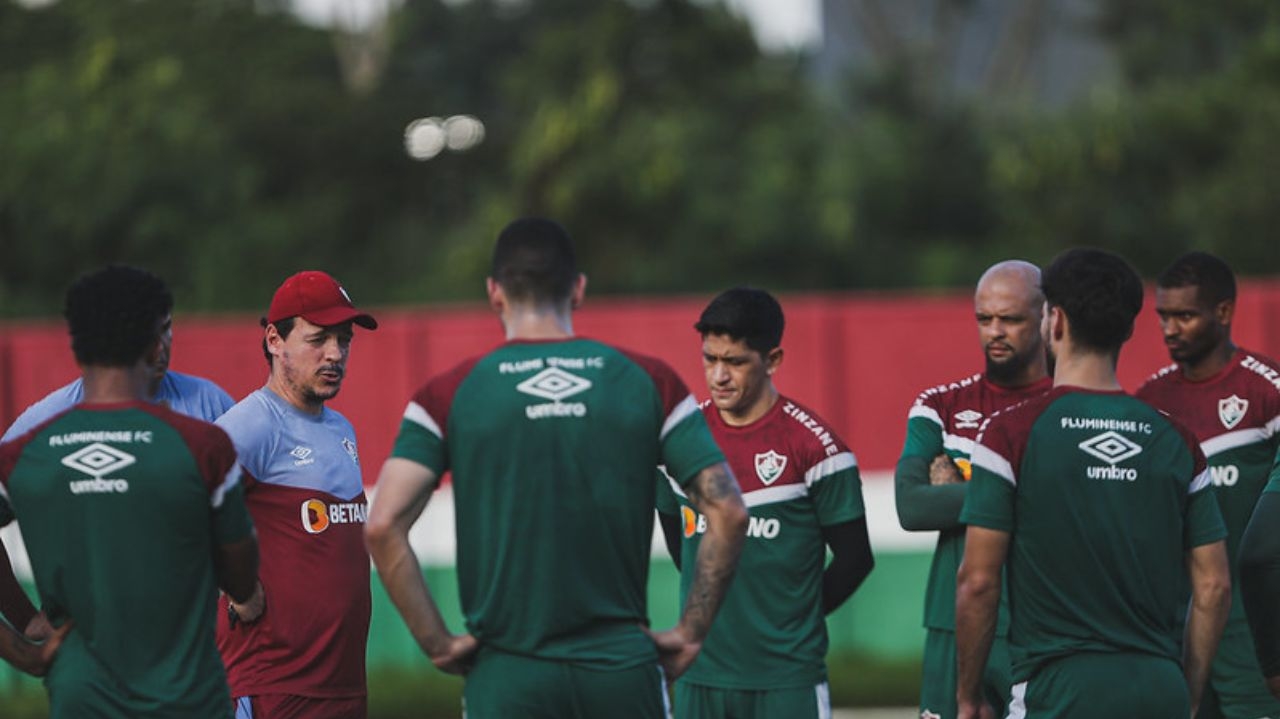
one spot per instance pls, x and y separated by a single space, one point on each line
987 459
418 414
686 407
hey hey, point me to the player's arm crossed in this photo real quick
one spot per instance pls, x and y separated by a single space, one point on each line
714 493
403 490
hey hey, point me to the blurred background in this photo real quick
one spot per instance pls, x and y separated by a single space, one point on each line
865 159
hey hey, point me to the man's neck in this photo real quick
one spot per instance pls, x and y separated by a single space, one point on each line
1026 378
278 386
1086 370
523 322
103 385
1209 365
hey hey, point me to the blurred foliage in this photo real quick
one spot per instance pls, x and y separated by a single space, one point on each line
216 142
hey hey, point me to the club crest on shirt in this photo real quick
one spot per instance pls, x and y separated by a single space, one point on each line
1231 410
351 450
968 419
769 466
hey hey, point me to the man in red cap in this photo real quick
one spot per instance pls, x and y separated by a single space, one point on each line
305 657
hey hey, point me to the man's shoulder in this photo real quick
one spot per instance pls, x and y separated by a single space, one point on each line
939 394
1158 381
45 408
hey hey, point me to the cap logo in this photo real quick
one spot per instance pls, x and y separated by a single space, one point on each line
345 296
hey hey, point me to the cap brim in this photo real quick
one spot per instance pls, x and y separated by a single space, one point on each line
338 315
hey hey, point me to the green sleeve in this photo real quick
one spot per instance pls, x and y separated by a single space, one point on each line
231 522
665 501
416 443
837 497
924 437
688 448
923 506
990 501
1203 524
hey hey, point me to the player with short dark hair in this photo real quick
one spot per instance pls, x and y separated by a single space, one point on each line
306 495
133 515
765 655
1227 397
185 394
552 441
931 479
1090 501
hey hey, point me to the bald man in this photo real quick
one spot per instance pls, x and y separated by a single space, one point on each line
932 475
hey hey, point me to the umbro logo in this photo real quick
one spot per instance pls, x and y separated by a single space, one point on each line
554 384
302 456
968 419
98 459
1111 447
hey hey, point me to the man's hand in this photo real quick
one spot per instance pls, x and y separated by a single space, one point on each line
251 609
1273 685
676 650
981 710
455 653
942 470
38 629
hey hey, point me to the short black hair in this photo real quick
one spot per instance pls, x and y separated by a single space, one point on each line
533 261
745 313
115 314
283 328
1213 278
1100 293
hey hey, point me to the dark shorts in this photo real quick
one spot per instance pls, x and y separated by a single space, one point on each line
1103 686
698 702
290 706
938 680
503 686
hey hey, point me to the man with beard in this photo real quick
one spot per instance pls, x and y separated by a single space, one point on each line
1093 504
305 658
1227 397
932 475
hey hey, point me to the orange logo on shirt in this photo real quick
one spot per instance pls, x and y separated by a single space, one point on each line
690 518
966 469
315 516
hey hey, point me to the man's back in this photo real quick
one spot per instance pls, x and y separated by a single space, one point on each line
1103 496
553 446
122 505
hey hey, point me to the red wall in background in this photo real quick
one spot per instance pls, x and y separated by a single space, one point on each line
858 360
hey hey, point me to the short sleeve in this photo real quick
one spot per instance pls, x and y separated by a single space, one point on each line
835 486
924 431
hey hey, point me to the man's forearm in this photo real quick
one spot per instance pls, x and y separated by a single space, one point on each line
850 564
977 602
1207 616
14 602
715 493
401 575
923 506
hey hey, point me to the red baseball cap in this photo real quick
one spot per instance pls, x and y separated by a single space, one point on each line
317 298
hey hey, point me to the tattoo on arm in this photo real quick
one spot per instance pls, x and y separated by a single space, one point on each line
715 493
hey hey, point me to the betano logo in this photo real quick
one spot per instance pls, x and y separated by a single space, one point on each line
757 527
317 516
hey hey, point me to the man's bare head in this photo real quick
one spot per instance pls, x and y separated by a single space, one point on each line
1008 305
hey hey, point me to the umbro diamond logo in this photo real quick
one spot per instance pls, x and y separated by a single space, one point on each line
554 384
968 419
98 459
301 452
1111 447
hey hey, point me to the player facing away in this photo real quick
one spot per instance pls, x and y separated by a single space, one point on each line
932 475
133 516
306 658
1091 501
764 657
185 394
1229 398
552 441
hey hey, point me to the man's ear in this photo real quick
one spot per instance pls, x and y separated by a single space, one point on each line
773 360
497 298
579 291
